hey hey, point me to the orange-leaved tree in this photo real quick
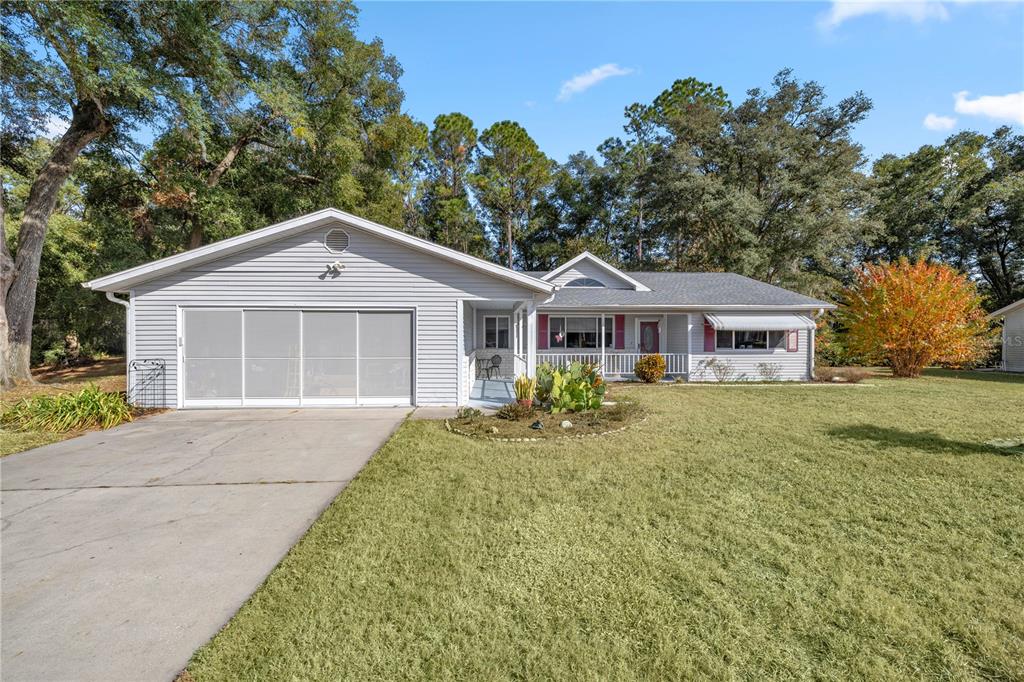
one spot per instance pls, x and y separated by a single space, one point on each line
912 315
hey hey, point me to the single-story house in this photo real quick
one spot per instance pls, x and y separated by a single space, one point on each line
332 309
1013 335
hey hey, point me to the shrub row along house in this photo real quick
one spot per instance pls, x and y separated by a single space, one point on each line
332 309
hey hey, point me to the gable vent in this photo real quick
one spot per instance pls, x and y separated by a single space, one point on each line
336 241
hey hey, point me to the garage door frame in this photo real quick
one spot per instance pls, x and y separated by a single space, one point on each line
301 401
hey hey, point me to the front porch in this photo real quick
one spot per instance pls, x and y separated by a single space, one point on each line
503 339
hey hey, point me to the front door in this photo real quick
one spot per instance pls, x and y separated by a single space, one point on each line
649 342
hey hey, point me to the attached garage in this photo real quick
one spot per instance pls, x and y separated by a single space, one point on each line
246 357
327 309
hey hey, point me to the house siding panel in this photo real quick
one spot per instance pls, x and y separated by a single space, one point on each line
793 366
1013 341
292 272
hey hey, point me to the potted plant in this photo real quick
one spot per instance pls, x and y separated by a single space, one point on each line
525 388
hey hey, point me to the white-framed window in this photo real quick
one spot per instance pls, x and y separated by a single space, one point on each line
496 331
579 331
727 339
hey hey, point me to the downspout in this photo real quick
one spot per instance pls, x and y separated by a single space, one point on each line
129 336
810 346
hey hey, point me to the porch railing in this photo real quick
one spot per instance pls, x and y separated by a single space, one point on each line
615 363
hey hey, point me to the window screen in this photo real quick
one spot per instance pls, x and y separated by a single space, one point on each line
272 353
213 354
385 355
776 339
329 354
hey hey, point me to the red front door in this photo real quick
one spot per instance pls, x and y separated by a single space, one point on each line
649 337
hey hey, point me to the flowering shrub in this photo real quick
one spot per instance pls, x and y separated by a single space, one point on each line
650 368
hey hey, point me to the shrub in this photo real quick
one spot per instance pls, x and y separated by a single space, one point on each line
721 369
851 375
468 413
769 371
826 373
89 408
578 388
544 376
912 315
525 387
514 412
650 368
855 375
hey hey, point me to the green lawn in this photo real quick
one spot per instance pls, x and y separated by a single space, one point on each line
742 532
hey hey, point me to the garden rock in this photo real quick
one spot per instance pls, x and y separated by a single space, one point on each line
566 424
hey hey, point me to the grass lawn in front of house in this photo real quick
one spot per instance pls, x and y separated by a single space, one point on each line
741 532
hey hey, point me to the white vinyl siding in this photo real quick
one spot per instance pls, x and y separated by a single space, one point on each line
1013 341
793 366
588 269
292 272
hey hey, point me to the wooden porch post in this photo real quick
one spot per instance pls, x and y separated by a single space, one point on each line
604 367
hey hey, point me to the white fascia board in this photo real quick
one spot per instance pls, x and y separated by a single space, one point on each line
699 308
607 267
121 281
1006 310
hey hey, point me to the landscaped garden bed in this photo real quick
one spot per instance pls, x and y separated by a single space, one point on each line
610 418
559 402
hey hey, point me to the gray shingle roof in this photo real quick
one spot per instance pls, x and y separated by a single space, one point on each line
684 289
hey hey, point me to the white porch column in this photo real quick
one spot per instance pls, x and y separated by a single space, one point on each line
689 343
531 338
663 335
604 367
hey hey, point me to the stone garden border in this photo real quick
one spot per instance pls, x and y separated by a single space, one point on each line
569 436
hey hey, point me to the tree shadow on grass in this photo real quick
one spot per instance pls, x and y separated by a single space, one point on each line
926 441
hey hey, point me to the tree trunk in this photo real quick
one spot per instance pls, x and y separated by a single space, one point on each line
87 124
508 240
195 236
6 277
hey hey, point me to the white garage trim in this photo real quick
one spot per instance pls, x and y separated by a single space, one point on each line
301 400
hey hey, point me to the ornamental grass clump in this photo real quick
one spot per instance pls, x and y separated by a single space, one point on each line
87 409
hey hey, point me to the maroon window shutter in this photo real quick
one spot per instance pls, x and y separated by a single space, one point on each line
542 332
620 332
792 340
709 337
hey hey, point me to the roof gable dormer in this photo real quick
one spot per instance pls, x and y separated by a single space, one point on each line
587 270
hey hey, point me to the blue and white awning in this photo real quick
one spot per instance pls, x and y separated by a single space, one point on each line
747 322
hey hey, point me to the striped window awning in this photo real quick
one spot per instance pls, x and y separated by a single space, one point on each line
758 322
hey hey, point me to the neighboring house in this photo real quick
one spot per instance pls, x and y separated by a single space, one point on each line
1013 335
332 309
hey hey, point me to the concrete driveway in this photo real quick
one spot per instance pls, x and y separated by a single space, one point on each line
125 550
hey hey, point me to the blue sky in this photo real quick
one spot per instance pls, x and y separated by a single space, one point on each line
495 61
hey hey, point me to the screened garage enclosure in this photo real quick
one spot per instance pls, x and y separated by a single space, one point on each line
294 358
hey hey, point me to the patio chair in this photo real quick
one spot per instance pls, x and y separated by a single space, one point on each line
494 367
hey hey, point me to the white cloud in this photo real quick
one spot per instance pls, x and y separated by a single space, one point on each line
585 81
1008 107
530 104
936 122
917 11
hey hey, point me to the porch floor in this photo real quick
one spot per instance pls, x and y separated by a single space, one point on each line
491 393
